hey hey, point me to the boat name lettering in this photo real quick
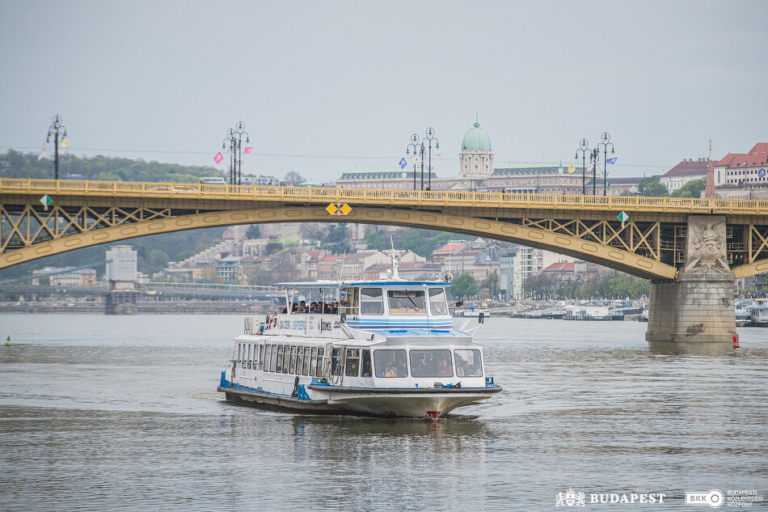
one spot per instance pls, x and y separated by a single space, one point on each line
325 326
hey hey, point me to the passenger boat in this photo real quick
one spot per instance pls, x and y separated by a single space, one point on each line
743 312
386 348
759 313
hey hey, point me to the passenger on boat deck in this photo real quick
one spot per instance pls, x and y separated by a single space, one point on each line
444 370
352 367
313 307
295 308
391 372
367 369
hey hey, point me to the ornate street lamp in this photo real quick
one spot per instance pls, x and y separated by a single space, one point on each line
235 139
430 137
54 129
583 147
415 145
605 141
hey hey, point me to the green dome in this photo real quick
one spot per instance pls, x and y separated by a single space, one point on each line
476 139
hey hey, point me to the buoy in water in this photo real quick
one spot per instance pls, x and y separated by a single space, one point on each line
8 342
735 342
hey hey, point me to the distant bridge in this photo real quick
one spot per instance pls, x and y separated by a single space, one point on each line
651 244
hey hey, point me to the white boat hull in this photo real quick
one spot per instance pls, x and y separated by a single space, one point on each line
405 403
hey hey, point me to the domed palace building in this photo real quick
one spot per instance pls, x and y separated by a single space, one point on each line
476 173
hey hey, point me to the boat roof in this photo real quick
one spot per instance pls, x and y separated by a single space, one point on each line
331 284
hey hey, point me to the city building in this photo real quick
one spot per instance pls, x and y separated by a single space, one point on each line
81 277
684 172
260 181
743 168
528 263
384 178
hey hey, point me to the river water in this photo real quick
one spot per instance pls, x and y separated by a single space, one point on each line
122 413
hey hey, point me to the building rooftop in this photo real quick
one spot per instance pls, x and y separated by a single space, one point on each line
561 266
688 167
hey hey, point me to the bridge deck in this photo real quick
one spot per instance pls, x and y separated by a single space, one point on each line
372 197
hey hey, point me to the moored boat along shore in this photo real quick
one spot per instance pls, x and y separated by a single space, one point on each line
97 307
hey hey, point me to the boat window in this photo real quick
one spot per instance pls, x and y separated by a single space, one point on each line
292 361
313 364
273 363
431 363
238 360
267 358
469 363
319 367
299 359
371 302
353 362
305 370
406 302
367 363
437 304
249 361
279 366
335 367
390 363
261 357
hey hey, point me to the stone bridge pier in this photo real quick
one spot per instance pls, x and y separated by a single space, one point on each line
697 308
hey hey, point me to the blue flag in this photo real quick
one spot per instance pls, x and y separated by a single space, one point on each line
761 173
402 163
611 160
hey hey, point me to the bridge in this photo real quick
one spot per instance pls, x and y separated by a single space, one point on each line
689 248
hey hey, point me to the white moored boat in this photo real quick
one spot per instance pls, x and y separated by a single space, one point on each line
387 348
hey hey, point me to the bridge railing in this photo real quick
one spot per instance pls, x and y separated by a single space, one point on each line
329 194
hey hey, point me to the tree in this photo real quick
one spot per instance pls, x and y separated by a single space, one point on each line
491 284
693 188
335 239
374 241
464 285
295 178
253 233
651 187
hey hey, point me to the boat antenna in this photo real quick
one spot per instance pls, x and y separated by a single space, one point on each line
341 268
395 277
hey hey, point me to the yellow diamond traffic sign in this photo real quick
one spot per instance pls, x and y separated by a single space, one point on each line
331 208
346 209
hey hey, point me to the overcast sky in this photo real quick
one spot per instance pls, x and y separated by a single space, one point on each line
324 87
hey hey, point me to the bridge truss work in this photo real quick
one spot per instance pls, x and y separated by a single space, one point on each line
652 243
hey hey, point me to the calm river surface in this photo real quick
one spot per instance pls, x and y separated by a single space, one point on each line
122 413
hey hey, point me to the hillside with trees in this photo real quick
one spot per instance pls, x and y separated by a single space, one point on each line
14 164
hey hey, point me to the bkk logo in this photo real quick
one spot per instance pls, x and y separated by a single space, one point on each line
571 498
714 498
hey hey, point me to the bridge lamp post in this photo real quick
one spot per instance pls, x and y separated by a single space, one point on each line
54 129
430 137
235 138
583 147
594 156
415 145
605 141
